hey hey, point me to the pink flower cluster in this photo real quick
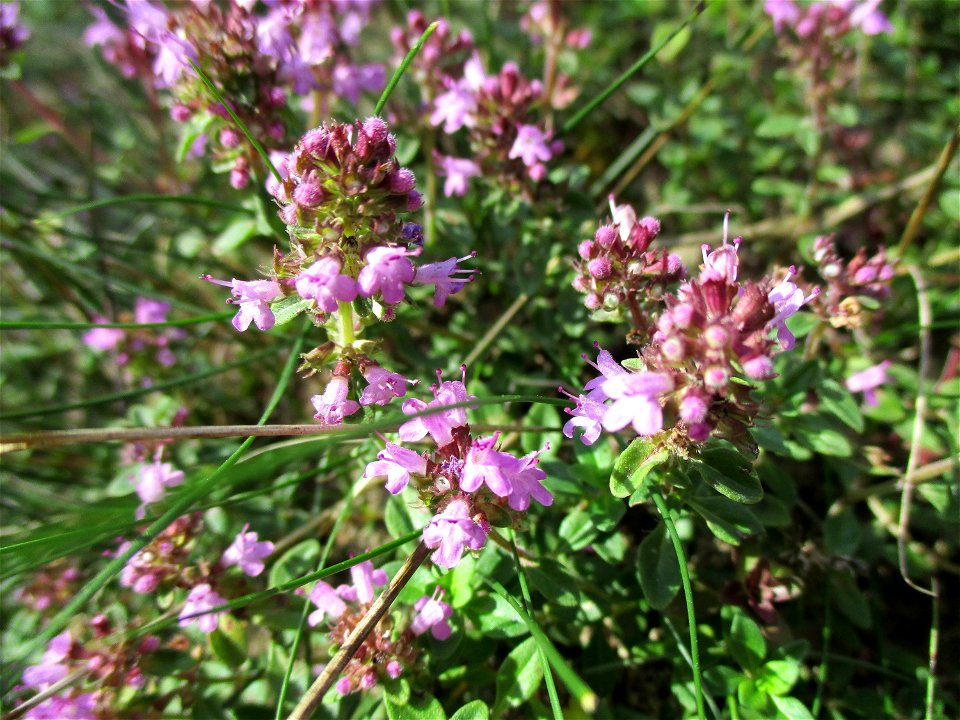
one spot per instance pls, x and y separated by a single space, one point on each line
469 483
830 17
850 284
294 47
618 270
387 651
12 34
713 336
140 346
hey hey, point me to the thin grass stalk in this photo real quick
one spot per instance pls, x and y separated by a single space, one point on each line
152 198
404 64
933 652
688 598
54 325
825 650
324 554
577 687
528 607
314 696
113 568
236 118
582 114
139 392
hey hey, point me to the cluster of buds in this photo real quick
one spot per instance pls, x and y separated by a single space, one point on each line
617 269
341 197
140 347
113 667
257 60
12 34
852 285
387 651
814 44
164 559
469 483
693 378
50 587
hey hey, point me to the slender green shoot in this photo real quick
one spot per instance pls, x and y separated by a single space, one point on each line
581 115
388 90
138 392
341 518
688 597
824 649
236 118
577 687
528 606
54 325
152 198
113 568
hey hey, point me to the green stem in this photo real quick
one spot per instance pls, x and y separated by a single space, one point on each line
430 206
113 568
825 653
630 72
345 314
688 597
528 606
153 198
54 325
388 90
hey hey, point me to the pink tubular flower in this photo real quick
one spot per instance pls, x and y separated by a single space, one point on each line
384 386
152 482
247 553
253 298
323 282
485 464
784 13
76 706
787 299
530 146
438 424
102 338
608 368
432 615
867 381
636 401
150 311
458 172
200 600
526 482
454 108
588 414
396 463
451 531
441 275
387 271
868 18
333 406
328 604
54 667
365 580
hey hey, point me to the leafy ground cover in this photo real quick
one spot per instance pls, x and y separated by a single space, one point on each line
578 359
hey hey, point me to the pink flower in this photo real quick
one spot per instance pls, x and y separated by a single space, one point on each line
253 298
485 464
54 667
608 368
530 146
323 282
152 482
452 530
350 80
636 401
783 13
384 386
867 381
247 553
102 339
432 614
387 271
79 706
441 275
150 311
588 414
333 406
396 463
458 172
438 424
365 580
199 602
868 18
787 299
328 604
454 108
525 482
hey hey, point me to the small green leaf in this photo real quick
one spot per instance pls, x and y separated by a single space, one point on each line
837 400
841 533
425 708
745 640
229 641
518 677
634 465
287 309
775 126
821 434
778 677
476 710
791 708
553 582
729 473
729 521
577 529
658 569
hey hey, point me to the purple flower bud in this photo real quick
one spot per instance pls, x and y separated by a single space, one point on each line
693 407
308 195
402 181
230 137
414 201
672 349
605 236
682 315
716 377
344 686
239 178
759 367
394 669
180 113
699 432
316 142
593 301
375 129
716 337
585 249
600 267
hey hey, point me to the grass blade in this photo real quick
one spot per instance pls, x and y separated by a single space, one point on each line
629 72
223 101
152 198
54 325
408 58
